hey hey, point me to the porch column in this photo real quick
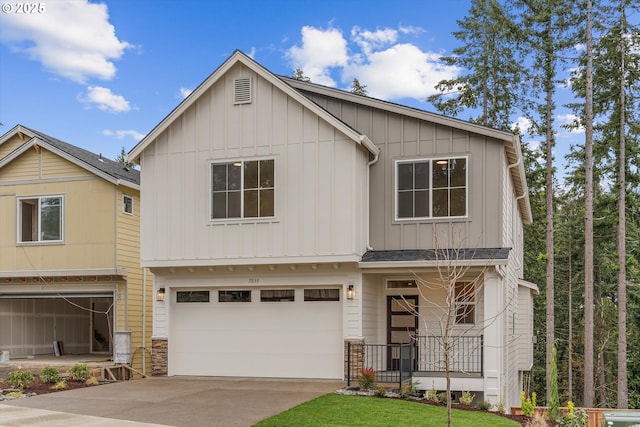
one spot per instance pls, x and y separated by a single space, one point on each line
159 356
493 338
356 358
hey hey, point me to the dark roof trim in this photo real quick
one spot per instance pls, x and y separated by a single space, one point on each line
436 255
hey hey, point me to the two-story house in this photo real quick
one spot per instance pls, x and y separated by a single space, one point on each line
70 253
285 221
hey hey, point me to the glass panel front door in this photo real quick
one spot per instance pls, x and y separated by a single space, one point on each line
402 326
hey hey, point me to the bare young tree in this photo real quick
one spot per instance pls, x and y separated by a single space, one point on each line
448 298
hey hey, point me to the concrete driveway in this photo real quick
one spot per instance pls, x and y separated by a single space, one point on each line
167 401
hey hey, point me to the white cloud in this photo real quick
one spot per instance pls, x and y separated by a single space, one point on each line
401 71
370 40
570 120
524 124
320 51
184 92
388 67
106 100
73 39
120 134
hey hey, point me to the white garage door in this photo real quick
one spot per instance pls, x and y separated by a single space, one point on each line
279 333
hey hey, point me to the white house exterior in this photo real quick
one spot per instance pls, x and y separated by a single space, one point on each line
285 220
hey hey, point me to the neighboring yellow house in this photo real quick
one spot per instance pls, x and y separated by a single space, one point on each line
70 253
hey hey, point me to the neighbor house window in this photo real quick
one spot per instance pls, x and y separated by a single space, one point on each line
40 219
431 188
465 303
127 204
243 189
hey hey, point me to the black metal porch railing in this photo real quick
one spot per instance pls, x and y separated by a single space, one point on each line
465 354
396 363
393 363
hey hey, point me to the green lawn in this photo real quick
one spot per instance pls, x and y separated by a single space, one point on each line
340 410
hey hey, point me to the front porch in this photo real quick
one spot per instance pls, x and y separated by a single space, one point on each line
422 359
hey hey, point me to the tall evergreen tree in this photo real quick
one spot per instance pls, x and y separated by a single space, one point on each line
492 73
358 88
588 227
546 24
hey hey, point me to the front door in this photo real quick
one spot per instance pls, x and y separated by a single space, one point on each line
402 326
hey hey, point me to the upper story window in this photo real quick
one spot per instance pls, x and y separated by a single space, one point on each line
243 189
465 303
431 188
127 204
40 219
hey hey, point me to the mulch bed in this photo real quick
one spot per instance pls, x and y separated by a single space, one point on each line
40 387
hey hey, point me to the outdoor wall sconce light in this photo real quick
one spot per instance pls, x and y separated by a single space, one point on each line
160 294
350 292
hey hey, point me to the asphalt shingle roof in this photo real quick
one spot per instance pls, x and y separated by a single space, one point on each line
432 255
97 161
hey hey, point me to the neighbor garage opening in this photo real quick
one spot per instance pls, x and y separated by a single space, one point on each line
82 322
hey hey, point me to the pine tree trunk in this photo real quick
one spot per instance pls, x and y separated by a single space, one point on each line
623 393
550 298
588 222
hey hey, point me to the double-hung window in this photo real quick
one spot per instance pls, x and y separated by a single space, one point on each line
243 189
431 188
40 219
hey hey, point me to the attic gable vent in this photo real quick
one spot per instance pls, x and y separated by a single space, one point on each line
242 91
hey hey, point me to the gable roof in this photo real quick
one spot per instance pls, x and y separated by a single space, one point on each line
110 170
240 57
511 141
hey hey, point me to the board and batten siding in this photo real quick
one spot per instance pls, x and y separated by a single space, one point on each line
320 182
402 137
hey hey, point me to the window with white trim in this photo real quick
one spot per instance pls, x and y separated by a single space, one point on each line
243 189
431 188
40 219
465 303
127 204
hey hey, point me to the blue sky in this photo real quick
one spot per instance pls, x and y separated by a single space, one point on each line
100 75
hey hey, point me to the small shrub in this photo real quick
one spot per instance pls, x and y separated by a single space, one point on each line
442 397
15 395
500 408
380 391
92 381
574 418
432 395
21 379
79 372
60 385
528 404
538 420
49 374
485 406
367 378
409 389
467 398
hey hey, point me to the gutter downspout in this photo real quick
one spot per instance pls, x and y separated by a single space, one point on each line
144 320
511 166
376 157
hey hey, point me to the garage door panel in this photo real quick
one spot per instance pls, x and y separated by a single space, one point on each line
260 339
